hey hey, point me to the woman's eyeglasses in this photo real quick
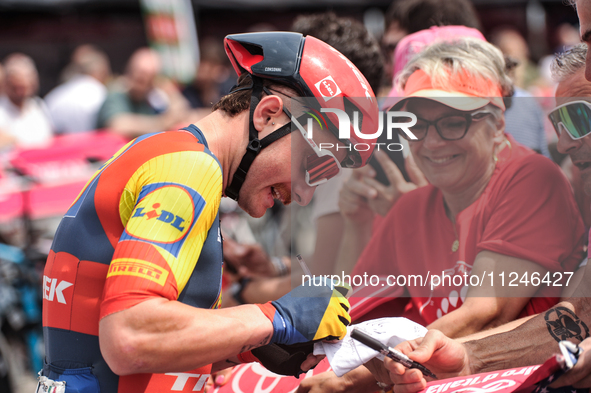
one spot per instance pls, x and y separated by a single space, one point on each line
449 128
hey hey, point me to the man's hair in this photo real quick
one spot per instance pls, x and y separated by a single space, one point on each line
568 63
416 15
238 99
349 37
442 61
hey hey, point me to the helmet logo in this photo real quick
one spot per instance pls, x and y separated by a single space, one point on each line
328 88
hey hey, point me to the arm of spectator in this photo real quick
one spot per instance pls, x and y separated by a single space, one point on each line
567 292
258 291
576 284
359 380
488 306
250 260
499 329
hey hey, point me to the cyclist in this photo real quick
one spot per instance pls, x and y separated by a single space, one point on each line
132 283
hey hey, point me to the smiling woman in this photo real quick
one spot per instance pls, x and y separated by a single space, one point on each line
489 208
484 207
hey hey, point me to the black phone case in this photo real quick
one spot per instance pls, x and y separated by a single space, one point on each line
395 156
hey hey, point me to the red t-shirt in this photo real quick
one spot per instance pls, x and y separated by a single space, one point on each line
526 211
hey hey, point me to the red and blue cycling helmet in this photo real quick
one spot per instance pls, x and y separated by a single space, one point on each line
324 77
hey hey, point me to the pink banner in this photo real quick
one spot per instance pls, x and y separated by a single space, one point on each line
254 378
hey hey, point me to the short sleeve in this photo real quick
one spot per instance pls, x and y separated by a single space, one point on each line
168 207
533 216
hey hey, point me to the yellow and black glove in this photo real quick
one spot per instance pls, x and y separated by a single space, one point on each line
314 311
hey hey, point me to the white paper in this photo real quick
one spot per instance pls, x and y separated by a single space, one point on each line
348 354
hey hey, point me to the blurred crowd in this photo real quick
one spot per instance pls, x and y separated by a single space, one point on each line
142 100
90 97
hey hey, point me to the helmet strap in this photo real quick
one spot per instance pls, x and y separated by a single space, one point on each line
255 145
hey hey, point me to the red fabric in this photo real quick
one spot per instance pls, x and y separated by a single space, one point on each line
268 309
527 211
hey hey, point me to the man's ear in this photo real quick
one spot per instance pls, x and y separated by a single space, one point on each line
267 112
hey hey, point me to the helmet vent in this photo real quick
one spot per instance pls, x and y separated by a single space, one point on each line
252 49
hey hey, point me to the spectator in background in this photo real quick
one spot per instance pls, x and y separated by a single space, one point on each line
213 76
525 118
512 44
139 107
77 57
74 105
24 121
409 16
348 36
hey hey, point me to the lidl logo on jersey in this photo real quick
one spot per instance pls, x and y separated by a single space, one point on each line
164 214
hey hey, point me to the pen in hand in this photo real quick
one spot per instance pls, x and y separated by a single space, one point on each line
304 266
393 354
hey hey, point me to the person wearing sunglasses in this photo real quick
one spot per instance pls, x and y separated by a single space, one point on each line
528 341
489 208
132 284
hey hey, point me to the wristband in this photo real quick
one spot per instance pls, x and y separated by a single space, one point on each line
280 266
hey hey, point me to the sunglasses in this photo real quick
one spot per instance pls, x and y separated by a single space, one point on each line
574 117
449 128
320 166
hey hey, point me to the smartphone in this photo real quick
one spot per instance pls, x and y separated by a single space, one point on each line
396 156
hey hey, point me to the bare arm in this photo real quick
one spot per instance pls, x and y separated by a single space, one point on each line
499 329
158 336
489 306
533 341
537 338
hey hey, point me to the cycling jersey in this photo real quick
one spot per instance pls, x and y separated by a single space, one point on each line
146 225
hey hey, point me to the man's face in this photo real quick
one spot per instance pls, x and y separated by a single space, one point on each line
573 89
278 172
141 82
584 12
20 86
